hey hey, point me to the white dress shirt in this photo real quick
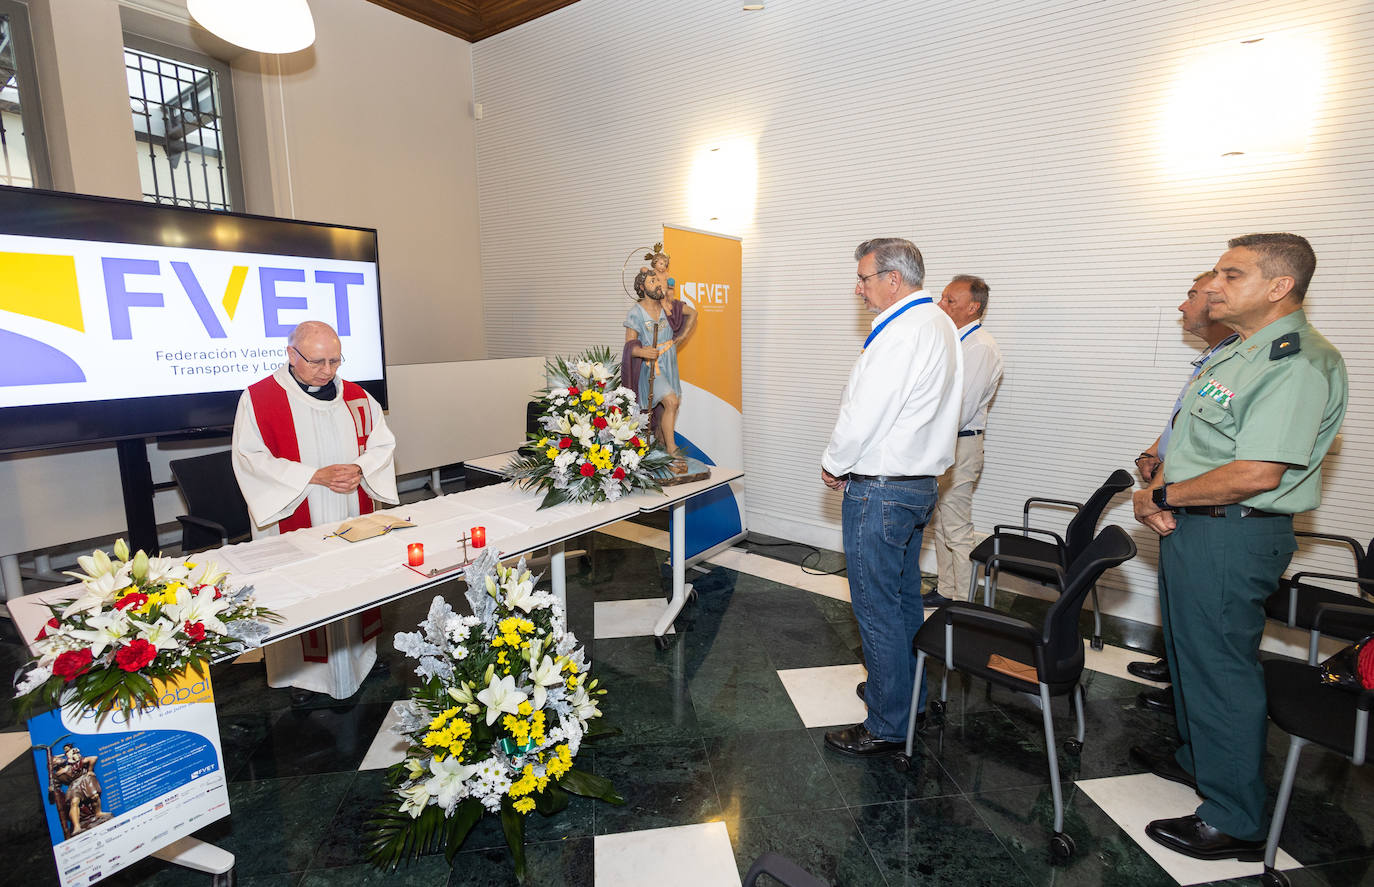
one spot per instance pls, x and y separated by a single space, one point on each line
900 410
982 373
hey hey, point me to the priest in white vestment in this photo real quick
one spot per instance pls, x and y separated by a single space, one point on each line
311 449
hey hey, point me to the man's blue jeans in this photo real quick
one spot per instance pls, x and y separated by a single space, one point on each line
883 522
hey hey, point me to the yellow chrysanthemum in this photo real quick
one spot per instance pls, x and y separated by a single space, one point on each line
524 805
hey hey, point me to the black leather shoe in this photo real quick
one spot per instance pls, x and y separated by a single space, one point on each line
859 689
1160 700
857 741
1157 671
934 599
1191 836
1163 765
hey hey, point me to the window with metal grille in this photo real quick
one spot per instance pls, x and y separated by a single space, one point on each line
182 107
23 152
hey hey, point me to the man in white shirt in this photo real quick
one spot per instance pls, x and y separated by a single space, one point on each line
310 449
894 436
965 300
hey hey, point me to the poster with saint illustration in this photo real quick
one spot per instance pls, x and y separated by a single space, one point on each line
119 789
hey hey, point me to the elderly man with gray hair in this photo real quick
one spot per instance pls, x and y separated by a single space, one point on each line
894 436
965 300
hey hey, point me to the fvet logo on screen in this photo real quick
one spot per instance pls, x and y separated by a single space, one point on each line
706 296
143 311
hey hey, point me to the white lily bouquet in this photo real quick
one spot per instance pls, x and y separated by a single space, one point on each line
594 445
139 621
505 705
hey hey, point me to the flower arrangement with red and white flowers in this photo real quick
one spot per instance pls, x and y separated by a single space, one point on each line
138 620
594 445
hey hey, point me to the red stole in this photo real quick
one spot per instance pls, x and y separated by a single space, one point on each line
272 409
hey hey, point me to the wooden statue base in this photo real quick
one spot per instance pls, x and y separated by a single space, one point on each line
696 470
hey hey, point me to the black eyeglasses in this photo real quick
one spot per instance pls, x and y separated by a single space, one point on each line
332 362
863 278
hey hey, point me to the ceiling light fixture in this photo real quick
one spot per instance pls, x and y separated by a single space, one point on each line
275 26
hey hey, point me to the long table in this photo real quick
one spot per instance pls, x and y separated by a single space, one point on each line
329 578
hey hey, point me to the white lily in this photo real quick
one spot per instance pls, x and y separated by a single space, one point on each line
501 696
106 630
202 608
520 593
96 564
415 768
121 549
563 425
416 799
584 369
165 569
583 431
449 783
100 591
207 573
599 373
545 674
583 704
161 634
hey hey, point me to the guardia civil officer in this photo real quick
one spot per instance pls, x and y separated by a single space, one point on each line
1245 456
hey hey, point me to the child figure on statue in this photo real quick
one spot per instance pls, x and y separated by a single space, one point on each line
653 329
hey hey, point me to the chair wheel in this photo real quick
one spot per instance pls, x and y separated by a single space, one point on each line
1097 643
661 642
901 763
1273 878
1061 847
1073 746
936 706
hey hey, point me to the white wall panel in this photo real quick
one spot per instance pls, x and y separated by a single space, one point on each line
1021 141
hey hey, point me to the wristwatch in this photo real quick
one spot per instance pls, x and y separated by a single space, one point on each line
1160 497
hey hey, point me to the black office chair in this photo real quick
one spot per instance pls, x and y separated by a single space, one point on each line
1041 553
965 636
1310 711
218 513
1297 600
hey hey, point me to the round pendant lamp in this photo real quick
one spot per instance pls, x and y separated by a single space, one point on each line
277 26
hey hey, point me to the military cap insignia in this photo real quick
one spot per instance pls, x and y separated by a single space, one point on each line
1284 346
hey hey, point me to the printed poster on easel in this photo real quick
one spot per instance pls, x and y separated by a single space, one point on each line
119 790
708 270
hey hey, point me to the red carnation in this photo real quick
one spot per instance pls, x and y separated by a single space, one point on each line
132 599
195 631
565 443
43 632
72 663
587 469
615 409
572 391
218 594
599 421
634 442
619 473
600 384
137 654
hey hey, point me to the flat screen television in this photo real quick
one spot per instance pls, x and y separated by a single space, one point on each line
121 319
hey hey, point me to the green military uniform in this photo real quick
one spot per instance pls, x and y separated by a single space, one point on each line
1278 396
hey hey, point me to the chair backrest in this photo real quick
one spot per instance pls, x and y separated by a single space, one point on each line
1081 528
1364 567
1062 638
211 491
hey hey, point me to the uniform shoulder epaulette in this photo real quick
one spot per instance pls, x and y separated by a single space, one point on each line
1284 346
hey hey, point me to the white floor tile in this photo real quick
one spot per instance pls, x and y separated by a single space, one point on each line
824 697
1133 801
1113 660
12 745
627 619
387 748
684 856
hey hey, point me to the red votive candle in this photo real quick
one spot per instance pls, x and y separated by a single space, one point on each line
415 554
479 537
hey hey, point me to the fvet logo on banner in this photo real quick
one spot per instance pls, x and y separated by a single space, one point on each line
119 320
706 296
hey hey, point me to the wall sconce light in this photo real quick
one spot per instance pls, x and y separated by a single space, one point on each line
721 186
1250 98
276 26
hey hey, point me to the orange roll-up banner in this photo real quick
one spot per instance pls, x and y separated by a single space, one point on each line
706 268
